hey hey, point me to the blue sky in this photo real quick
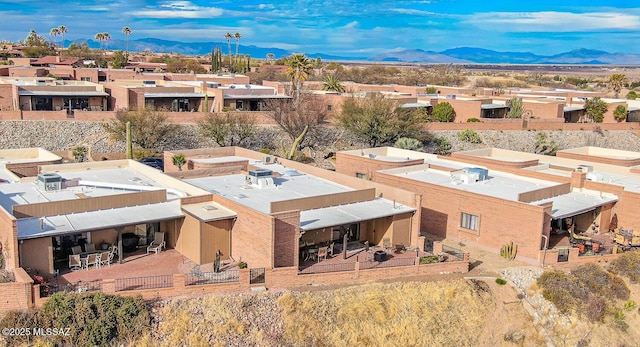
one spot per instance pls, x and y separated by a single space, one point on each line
345 27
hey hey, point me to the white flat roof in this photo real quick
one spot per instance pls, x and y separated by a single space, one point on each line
29 228
350 213
575 203
500 185
92 183
290 185
208 211
6 175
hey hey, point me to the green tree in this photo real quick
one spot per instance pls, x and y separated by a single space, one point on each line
332 83
237 36
516 109
431 90
616 82
100 38
179 160
620 113
149 128
81 50
194 66
119 60
37 46
270 57
126 31
409 143
228 128
443 112
596 108
62 30
379 121
299 68
632 95
80 153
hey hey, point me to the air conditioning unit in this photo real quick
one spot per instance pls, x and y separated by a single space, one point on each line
269 159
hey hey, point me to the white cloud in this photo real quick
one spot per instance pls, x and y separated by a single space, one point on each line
178 9
412 12
351 25
554 21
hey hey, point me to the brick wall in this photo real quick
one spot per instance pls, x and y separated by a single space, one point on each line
9 240
500 221
351 165
286 227
30 169
17 295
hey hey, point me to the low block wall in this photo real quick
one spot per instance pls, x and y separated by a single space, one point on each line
17 295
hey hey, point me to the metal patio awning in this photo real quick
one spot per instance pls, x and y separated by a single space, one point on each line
73 223
350 213
575 203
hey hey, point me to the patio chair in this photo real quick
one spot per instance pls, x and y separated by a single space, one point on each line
157 244
75 263
76 249
386 243
89 247
92 259
322 253
105 258
330 251
400 248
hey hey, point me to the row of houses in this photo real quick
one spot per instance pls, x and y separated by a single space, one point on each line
113 89
245 205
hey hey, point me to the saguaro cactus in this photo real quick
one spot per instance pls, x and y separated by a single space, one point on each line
509 251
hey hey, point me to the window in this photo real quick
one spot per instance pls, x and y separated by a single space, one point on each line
86 79
469 221
329 107
239 105
361 175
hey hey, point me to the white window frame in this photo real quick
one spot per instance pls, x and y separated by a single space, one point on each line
469 221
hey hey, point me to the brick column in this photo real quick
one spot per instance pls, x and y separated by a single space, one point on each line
578 178
437 247
179 281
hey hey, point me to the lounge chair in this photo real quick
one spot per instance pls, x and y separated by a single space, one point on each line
75 263
76 249
157 244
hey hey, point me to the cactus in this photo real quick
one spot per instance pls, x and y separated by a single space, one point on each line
509 251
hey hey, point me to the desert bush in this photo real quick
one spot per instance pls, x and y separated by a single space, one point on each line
469 135
443 146
628 265
473 120
501 281
629 305
597 308
429 259
92 318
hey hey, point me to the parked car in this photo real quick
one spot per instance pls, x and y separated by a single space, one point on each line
157 163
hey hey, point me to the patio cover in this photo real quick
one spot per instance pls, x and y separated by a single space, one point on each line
173 95
30 228
574 203
350 213
69 93
492 106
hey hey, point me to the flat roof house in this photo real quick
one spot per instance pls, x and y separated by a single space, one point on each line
492 197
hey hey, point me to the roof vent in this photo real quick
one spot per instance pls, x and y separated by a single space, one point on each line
584 168
209 208
261 178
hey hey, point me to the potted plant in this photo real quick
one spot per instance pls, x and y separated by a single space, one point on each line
242 265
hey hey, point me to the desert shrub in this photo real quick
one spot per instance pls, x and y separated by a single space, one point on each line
242 265
409 143
473 120
443 112
628 265
632 95
469 135
597 308
429 259
619 322
443 146
629 305
92 319
501 281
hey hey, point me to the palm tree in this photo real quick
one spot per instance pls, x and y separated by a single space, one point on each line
228 36
331 82
62 30
270 56
126 31
298 71
617 81
106 38
100 38
237 37
54 33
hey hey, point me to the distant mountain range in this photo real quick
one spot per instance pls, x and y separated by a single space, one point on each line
459 55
